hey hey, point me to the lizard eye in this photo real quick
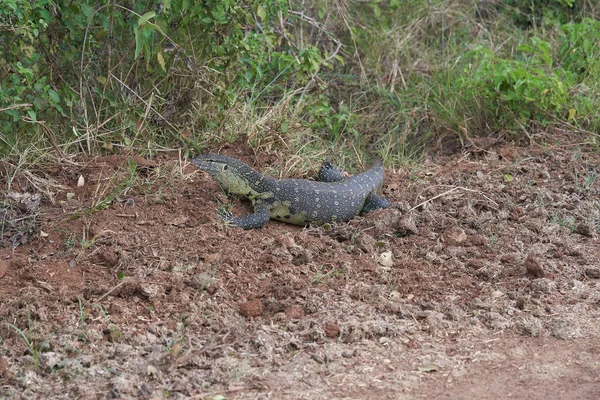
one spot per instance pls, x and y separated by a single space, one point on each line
225 167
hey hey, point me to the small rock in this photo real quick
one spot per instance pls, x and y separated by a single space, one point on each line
508 258
395 295
302 258
584 230
475 264
497 321
212 257
318 358
151 370
407 226
593 273
534 267
531 326
455 236
543 285
150 291
294 312
386 259
203 282
429 368
479 240
366 243
348 353
178 221
251 309
332 329
108 257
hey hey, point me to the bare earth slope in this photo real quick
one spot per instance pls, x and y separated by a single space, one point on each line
489 291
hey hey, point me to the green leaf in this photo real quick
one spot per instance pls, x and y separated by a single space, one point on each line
144 18
60 110
587 46
377 10
37 103
87 10
45 14
32 115
161 61
261 12
53 95
139 43
15 114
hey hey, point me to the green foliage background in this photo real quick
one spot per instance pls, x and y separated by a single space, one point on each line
381 78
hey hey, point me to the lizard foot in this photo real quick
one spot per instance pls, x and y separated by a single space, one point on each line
226 216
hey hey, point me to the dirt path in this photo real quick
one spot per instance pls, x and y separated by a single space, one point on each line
489 291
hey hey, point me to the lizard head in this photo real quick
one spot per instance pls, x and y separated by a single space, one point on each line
232 174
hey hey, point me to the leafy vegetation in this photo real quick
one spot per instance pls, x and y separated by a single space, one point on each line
378 78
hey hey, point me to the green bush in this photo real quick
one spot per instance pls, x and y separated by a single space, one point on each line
531 13
93 64
580 48
26 87
522 89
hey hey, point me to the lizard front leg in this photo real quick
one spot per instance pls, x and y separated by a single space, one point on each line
258 219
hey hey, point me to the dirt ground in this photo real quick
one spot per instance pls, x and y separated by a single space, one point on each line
482 281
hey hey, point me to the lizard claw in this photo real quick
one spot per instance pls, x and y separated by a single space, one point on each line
225 215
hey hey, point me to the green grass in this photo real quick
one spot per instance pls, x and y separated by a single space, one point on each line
321 275
33 345
354 82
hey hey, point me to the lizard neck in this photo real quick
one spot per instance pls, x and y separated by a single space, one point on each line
243 180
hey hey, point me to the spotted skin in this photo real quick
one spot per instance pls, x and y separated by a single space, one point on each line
295 201
329 173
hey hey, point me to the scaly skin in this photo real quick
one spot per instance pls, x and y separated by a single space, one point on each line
295 201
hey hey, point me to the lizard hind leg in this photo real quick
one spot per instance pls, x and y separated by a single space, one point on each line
329 172
373 202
